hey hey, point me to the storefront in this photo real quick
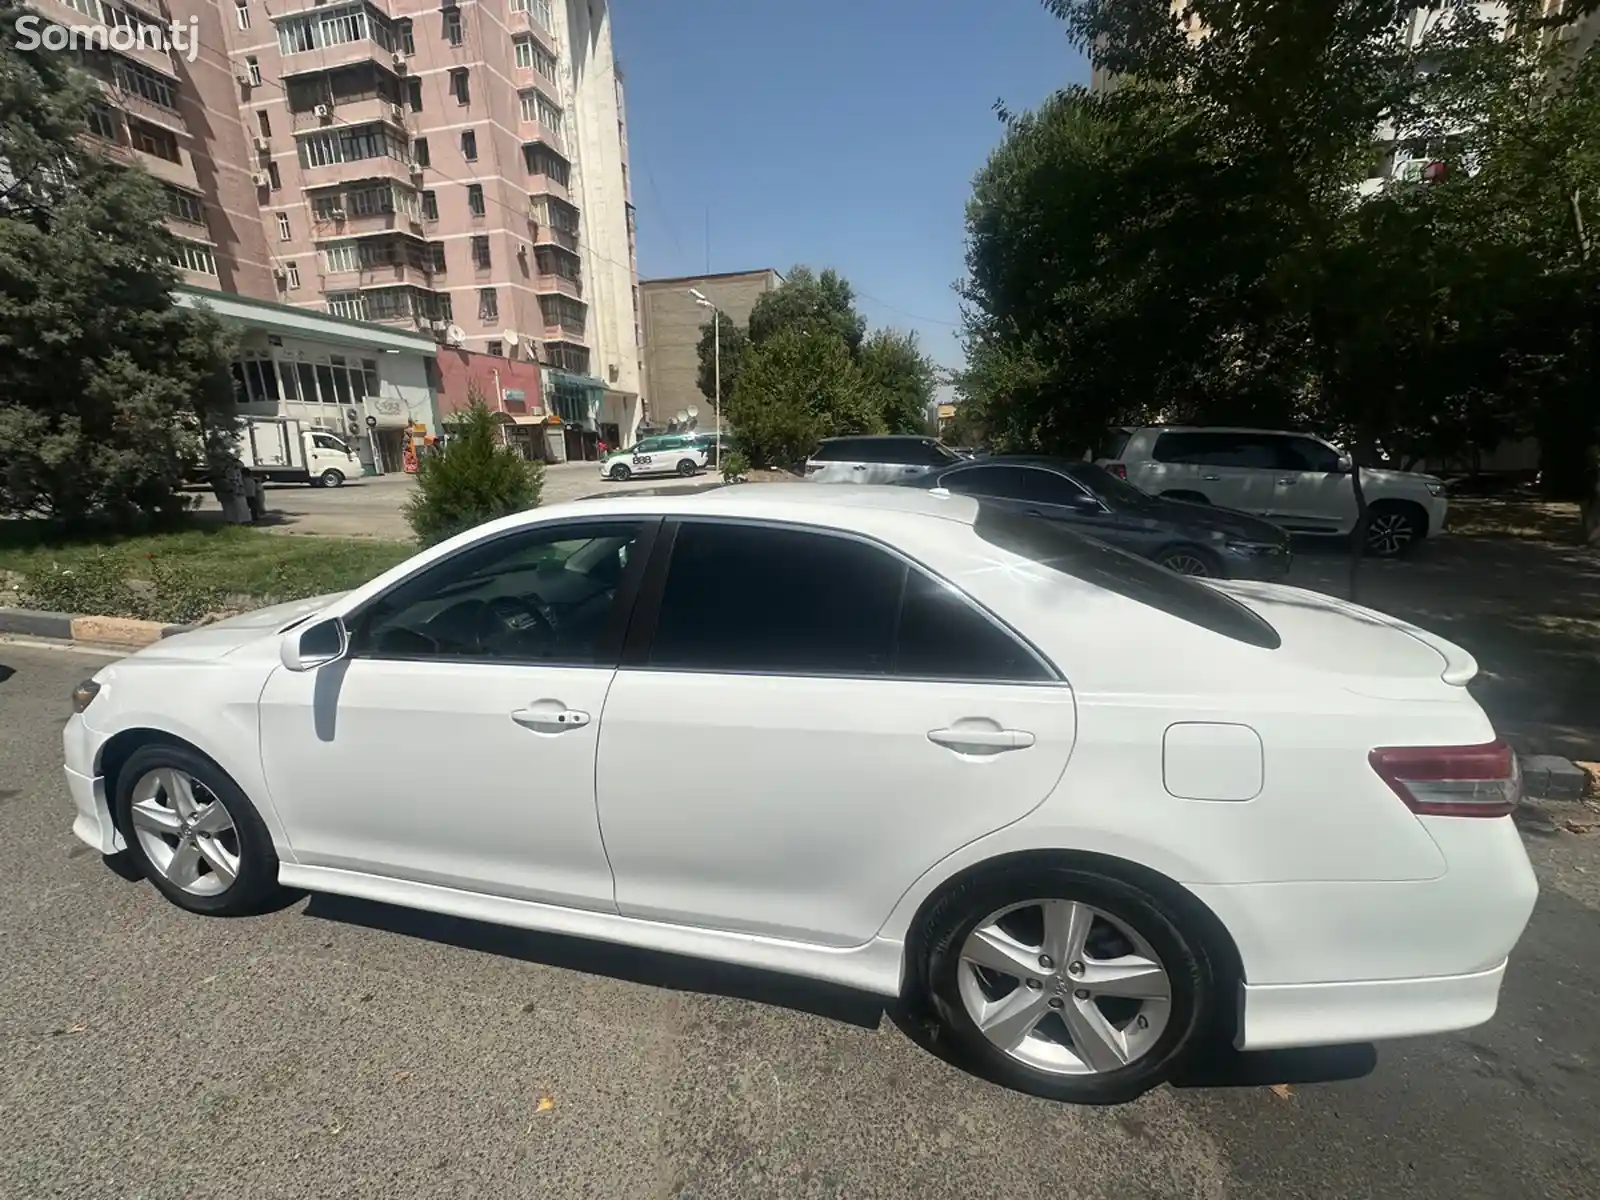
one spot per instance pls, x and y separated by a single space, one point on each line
576 401
366 383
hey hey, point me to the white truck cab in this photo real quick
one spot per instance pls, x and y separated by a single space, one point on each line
286 451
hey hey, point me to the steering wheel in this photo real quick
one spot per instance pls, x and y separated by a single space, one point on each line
515 617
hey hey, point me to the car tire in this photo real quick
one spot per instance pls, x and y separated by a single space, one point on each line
179 841
687 468
1187 497
1394 528
331 478
1145 1040
620 473
1194 561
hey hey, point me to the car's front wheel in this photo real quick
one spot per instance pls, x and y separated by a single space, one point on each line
1066 983
620 472
332 478
1191 560
194 833
1393 528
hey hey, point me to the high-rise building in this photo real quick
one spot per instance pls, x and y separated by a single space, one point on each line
458 169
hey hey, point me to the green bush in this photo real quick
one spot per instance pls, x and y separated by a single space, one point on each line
735 466
103 585
473 479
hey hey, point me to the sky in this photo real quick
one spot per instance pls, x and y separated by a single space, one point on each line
834 133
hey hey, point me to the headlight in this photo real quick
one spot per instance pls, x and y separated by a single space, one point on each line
83 695
1436 489
1254 548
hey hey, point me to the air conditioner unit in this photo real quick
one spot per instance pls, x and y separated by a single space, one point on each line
441 326
336 214
400 62
261 179
323 112
262 143
279 273
244 77
416 170
398 113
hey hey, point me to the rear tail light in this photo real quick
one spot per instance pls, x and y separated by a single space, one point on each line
1452 781
1120 470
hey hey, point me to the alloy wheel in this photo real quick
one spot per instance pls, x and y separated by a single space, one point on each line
185 832
1389 533
1187 564
1064 987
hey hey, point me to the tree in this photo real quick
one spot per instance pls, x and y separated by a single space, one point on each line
797 387
106 384
899 379
473 479
809 303
735 348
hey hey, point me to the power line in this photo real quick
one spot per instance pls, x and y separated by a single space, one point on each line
911 315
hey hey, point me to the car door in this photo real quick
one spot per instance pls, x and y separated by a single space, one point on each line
1231 469
795 734
647 457
1311 494
455 745
837 460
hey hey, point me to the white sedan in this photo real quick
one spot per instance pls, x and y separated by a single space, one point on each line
1093 812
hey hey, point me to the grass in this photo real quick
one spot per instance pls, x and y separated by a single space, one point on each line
183 574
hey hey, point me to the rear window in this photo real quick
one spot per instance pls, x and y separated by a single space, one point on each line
1113 443
1137 579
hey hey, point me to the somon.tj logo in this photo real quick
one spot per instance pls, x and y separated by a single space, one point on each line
178 37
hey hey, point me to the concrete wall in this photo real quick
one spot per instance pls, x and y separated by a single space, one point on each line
672 321
494 375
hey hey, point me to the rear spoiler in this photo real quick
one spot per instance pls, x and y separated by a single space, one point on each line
1460 668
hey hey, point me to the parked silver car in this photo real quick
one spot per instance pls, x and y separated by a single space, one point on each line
878 459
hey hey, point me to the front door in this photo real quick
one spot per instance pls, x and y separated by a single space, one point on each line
456 744
813 725
1312 495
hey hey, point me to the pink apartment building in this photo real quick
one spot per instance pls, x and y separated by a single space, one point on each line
457 171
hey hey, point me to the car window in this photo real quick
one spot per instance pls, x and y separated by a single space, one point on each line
1218 448
648 446
323 441
1052 545
928 454
1117 493
1013 483
1114 442
1306 454
837 450
543 595
792 613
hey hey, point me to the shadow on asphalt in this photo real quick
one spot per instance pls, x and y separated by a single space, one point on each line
648 967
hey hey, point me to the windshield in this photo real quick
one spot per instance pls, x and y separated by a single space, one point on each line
1050 545
1117 493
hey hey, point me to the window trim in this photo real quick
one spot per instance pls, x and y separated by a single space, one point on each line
608 648
647 610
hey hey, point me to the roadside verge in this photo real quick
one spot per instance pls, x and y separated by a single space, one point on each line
91 630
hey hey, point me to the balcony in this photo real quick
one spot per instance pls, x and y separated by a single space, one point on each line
558 285
330 58
140 52
376 276
541 34
368 110
138 106
180 174
380 167
353 225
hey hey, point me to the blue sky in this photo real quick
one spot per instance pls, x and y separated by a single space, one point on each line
837 133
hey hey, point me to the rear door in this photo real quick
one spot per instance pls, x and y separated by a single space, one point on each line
839 722
837 460
1226 468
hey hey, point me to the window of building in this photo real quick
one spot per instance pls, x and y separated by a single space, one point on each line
419 152
469 145
341 256
452 26
564 356
460 87
184 206
292 270
241 13
284 233
350 145
430 206
475 199
103 123
480 251
488 305
152 139
264 123
541 160
497 349
549 114
192 256
414 94
142 81
334 26
569 314
342 304
405 36
436 257
273 177
254 67
563 264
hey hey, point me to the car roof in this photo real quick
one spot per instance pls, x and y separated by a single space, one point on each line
879 437
837 505
1053 461
1227 429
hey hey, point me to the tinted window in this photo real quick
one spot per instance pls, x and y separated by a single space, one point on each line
1113 444
1013 483
837 450
1117 493
1218 449
542 596
944 636
753 598
928 454
815 603
1051 545
1303 454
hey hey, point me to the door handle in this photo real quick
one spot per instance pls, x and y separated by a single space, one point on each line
1212 478
550 719
859 467
981 741
1288 479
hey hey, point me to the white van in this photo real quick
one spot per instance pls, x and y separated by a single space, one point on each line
285 451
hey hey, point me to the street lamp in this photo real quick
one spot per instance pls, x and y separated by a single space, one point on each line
716 349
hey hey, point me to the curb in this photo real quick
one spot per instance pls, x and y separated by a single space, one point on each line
72 627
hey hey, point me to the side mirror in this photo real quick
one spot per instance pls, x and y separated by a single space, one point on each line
314 645
1347 465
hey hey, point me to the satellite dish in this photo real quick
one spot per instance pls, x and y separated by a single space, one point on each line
694 410
511 337
455 335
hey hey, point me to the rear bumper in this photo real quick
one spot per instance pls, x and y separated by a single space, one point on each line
1276 1016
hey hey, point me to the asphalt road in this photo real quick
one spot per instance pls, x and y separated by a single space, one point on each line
338 1051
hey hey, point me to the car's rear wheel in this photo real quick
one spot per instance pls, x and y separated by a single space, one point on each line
1066 983
1191 560
1393 528
193 833
687 468
620 472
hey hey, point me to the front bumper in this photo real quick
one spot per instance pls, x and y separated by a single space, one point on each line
91 821
1267 564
